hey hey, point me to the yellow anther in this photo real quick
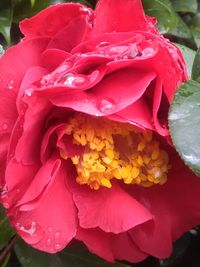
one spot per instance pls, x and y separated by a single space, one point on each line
75 160
106 183
155 154
139 161
141 146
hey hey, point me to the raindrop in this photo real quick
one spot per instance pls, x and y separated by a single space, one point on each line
29 91
57 235
10 85
48 242
50 229
4 126
102 44
106 105
67 79
57 246
85 10
28 229
148 52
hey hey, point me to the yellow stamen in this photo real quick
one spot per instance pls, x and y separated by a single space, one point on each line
140 161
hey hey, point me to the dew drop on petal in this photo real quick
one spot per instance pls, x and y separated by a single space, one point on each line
50 229
107 105
148 52
57 246
85 10
4 126
102 44
10 85
57 235
48 242
29 91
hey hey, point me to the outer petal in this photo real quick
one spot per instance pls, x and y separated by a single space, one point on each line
51 231
111 210
97 241
175 207
114 15
124 248
52 19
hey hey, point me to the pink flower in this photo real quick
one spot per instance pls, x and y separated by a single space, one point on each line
85 149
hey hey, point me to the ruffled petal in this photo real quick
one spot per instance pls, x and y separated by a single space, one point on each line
52 232
52 20
112 210
114 15
175 208
108 96
97 241
124 248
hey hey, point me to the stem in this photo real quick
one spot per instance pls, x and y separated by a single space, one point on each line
8 248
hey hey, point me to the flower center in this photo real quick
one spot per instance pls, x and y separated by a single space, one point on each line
113 150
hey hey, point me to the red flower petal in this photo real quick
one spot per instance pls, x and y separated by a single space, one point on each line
175 207
124 248
111 210
52 232
108 96
51 20
97 241
114 15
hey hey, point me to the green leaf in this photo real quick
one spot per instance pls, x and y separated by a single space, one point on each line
6 231
185 5
189 56
181 30
163 11
6 13
1 50
184 123
196 67
74 256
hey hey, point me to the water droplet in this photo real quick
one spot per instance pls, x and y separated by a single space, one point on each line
50 229
29 91
10 85
85 10
107 105
67 79
28 229
48 242
57 246
4 126
57 235
102 44
45 80
148 52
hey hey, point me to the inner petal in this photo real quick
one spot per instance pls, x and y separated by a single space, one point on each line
113 150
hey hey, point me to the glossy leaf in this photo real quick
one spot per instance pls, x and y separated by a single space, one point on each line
189 56
184 122
6 232
196 67
181 30
163 11
74 256
185 5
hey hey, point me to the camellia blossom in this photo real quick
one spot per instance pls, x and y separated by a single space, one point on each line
85 151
